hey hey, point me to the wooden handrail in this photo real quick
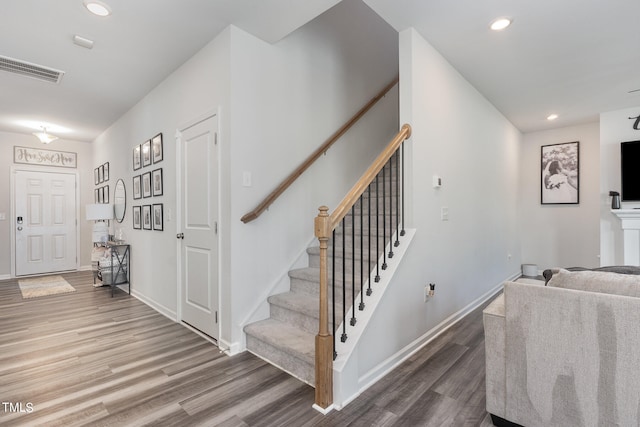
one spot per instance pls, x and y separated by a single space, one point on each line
264 205
369 175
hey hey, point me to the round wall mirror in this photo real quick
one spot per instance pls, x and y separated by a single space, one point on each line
119 200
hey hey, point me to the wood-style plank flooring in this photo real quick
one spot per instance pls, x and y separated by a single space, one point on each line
85 358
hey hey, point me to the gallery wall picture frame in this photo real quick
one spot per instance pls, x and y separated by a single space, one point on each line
106 171
560 174
137 157
146 184
100 194
96 177
156 148
137 187
146 217
100 174
137 217
156 180
146 153
158 220
95 195
105 197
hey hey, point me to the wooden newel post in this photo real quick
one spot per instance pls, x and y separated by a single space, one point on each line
324 340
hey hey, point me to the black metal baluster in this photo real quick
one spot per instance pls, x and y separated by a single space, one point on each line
402 233
353 267
391 207
361 307
369 227
333 290
384 217
377 228
343 338
397 242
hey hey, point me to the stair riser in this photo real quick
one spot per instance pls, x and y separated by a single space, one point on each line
295 366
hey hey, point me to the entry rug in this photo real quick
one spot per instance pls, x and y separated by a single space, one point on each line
44 286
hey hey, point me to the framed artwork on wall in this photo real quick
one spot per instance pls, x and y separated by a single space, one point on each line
137 157
156 148
95 196
560 173
157 182
146 153
146 217
146 184
100 174
137 217
158 221
96 177
137 187
106 171
105 197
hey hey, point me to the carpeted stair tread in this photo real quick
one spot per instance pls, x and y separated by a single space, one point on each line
287 338
300 302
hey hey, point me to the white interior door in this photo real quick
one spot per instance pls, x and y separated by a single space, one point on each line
45 222
199 225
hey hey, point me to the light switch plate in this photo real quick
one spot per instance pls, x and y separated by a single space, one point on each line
3 216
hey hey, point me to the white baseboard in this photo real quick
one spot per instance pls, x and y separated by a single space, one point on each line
230 349
5 277
156 306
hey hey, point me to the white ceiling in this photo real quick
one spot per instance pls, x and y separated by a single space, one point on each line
576 58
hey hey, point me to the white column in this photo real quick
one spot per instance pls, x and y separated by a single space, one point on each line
630 219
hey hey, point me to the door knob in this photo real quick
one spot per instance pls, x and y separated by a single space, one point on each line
180 235
19 228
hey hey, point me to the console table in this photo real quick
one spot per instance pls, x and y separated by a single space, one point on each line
115 268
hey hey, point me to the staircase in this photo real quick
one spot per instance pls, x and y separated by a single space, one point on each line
287 338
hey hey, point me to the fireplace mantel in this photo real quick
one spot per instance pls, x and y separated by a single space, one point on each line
630 221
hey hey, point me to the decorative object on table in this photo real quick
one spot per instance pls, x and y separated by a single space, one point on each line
146 184
137 187
157 182
615 199
44 286
119 201
100 213
137 157
156 147
560 178
137 217
113 267
158 220
146 217
34 156
146 153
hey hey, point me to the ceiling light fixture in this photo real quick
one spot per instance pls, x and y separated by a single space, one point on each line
45 137
499 24
551 117
97 7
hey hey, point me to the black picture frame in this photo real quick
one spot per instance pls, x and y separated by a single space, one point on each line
146 184
137 187
105 196
146 217
156 182
100 174
106 172
96 177
146 153
100 194
95 195
137 157
560 174
158 217
156 148
137 217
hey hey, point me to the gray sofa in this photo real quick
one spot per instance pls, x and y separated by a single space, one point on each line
566 354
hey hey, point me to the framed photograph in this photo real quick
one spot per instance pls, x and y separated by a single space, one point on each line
137 157
137 217
158 221
100 194
146 217
100 174
146 185
95 195
146 153
156 148
105 197
137 187
560 177
106 171
156 179
96 177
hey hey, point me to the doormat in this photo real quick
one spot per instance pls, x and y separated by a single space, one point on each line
44 286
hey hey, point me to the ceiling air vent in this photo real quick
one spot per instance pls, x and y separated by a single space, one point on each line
28 69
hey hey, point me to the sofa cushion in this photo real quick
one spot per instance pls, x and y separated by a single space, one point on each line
597 281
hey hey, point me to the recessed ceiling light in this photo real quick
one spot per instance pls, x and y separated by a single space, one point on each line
500 23
97 7
552 117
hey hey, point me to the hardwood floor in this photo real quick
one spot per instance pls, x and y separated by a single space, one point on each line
85 358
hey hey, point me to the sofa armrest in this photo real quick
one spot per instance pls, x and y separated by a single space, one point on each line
493 318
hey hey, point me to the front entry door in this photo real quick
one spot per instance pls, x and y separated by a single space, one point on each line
199 224
45 222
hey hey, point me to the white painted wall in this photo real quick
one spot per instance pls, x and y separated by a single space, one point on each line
277 103
460 136
615 127
85 169
561 235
